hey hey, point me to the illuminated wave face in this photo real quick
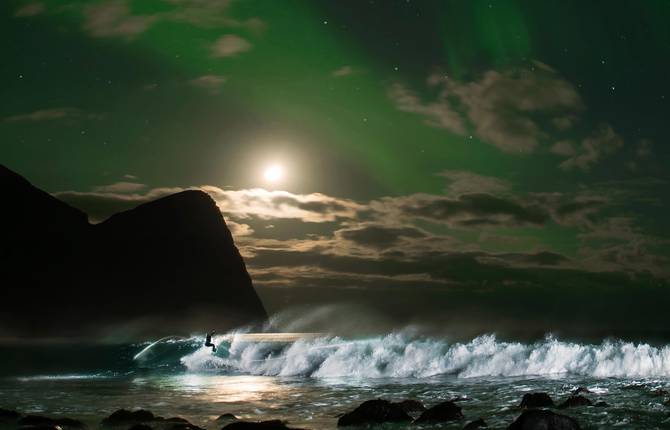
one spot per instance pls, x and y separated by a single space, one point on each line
399 356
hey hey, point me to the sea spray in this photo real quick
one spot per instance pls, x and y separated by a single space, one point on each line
399 355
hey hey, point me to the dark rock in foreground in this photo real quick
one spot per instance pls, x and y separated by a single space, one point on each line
123 417
574 402
262 425
177 423
410 406
8 415
374 412
536 400
143 418
42 427
13 419
543 420
227 417
445 411
601 404
40 421
140 427
478 423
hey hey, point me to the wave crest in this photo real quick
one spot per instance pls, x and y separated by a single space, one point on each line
398 355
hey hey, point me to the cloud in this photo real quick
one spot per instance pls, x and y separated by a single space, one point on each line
239 230
565 148
229 46
31 9
239 204
451 269
212 83
466 210
411 238
539 259
438 114
502 106
379 236
465 182
564 122
113 18
616 244
120 187
52 115
644 148
572 209
265 204
506 109
603 142
343 71
208 14
100 205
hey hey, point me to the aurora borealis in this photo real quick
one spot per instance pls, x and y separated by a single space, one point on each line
477 163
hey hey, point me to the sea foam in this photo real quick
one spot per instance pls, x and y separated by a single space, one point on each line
399 355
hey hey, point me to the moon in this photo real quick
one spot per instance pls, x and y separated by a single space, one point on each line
273 173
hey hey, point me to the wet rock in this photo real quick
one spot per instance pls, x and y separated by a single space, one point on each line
536 400
411 405
123 417
40 421
41 427
140 427
659 392
602 404
8 418
176 420
7 415
581 390
478 423
575 402
542 419
183 426
374 412
227 417
175 423
69 423
36 420
445 411
262 425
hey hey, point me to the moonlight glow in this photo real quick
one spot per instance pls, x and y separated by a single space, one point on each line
273 173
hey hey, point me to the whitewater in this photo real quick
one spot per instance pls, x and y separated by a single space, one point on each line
309 381
399 355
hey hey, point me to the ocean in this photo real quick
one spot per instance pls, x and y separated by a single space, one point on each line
311 381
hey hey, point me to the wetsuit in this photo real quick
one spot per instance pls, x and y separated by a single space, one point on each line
208 341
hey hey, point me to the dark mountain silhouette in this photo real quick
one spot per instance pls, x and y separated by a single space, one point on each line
169 266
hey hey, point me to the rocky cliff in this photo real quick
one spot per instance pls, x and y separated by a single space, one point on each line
169 266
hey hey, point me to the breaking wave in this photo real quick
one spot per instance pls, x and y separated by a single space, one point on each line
399 355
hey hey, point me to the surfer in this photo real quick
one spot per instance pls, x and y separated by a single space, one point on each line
208 341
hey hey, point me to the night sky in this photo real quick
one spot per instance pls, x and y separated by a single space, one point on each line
471 164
